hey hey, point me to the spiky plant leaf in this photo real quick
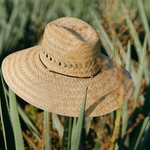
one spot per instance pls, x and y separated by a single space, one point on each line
137 41
76 140
142 66
144 19
28 122
5 117
15 121
145 143
66 142
57 124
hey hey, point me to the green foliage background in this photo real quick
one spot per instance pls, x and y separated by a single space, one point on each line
124 29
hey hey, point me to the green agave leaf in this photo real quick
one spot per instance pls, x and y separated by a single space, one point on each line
92 136
5 117
107 43
141 69
146 111
76 140
103 36
144 19
137 42
74 126
125 106
128 63
28 122
140 128
2 24
102 128
46 131
66 142
87 122
12 20
116 147
126 136
145 143
78 8
146 120
23 17
134 139
97 146
67 10
57 124
36 9
15 121
51 11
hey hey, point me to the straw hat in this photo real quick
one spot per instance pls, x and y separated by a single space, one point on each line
53 76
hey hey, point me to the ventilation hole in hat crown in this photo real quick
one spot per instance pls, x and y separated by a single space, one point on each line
80 65
65 65
93 61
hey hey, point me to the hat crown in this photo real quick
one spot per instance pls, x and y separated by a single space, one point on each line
71 47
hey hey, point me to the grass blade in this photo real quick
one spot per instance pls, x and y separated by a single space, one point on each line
5 117
76 141
15 121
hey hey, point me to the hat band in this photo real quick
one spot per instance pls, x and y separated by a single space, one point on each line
87 69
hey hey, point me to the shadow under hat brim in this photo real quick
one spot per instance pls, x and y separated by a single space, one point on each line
25 74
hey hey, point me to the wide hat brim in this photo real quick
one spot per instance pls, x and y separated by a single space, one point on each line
25 74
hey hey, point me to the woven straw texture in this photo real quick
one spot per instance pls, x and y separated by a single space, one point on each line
53 76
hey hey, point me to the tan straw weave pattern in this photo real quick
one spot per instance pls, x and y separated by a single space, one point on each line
54 75
71 47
